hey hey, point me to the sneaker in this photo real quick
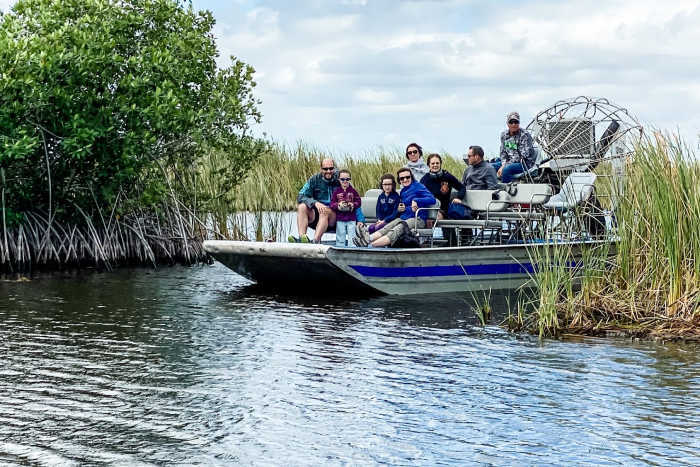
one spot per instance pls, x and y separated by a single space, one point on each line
292 239
362 239
304 239
364 235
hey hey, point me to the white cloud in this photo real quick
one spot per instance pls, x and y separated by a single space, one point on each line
446 73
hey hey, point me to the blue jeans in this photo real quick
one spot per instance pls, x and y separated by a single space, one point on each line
510 170
344 231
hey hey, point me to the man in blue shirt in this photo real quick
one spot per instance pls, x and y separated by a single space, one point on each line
314 201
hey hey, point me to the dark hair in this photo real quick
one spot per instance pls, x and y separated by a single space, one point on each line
432 156
388 177
405 169
420 149
477 150
344 171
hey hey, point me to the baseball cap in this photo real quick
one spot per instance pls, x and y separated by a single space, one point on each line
513 116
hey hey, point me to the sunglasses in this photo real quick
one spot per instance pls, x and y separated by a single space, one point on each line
410 153
407 177
387 184
344 179
327 169
513 122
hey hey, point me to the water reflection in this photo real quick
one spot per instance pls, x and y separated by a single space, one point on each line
187 365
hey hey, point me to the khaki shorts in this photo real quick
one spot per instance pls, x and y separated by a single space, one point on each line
394 229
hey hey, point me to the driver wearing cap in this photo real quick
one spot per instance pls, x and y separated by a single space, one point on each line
517 151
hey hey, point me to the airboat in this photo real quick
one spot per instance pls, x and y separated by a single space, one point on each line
567 199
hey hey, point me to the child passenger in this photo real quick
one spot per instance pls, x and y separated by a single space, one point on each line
387 203
344 202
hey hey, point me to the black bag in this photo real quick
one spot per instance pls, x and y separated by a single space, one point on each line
407 239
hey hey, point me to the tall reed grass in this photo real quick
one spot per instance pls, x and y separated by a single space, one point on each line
652 287
274 182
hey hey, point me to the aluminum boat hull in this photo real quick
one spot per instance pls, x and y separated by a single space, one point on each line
381 270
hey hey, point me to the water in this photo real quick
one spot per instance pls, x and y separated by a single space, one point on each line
193 365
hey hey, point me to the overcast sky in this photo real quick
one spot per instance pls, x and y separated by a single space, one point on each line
352 75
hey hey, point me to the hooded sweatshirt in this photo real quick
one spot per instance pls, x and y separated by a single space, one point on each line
420 194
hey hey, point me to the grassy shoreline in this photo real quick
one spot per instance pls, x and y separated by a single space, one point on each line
652 287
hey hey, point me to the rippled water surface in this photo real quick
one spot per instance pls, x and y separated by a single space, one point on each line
193 365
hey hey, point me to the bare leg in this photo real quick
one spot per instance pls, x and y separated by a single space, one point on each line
326 219
381 241
304 216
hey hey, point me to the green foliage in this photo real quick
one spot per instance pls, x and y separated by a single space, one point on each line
95 94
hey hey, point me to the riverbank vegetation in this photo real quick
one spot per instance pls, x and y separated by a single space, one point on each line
106 111
652 285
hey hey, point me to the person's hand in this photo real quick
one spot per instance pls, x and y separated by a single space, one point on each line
456 201
361 224
322 208
402 207
500 171
414 206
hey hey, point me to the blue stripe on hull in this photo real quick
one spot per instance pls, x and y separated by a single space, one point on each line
437 271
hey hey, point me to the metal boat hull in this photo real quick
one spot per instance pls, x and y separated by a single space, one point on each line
383 270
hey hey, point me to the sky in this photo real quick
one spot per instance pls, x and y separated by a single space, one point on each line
354 75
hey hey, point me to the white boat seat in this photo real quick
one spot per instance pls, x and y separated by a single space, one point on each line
531 193
577 189
482 200
369 208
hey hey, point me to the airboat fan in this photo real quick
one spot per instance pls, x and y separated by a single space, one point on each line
577 134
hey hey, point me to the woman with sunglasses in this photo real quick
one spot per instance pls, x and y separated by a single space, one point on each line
414 154
440 183
413 196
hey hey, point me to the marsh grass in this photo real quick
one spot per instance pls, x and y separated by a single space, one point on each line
651 286
274 182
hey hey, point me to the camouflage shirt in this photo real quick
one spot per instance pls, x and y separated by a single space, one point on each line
517 148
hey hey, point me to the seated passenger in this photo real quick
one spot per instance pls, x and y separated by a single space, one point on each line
479 175
387 203
517 151
440 183
314 201
414 153
413 196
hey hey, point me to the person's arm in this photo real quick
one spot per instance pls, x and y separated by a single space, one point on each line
394 211
334 201
462 191
306 194
424 198
526 150
453 182
491 179
504 153
359 215
356 200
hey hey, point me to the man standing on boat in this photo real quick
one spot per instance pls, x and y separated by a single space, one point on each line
517 151
314 201
479 175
